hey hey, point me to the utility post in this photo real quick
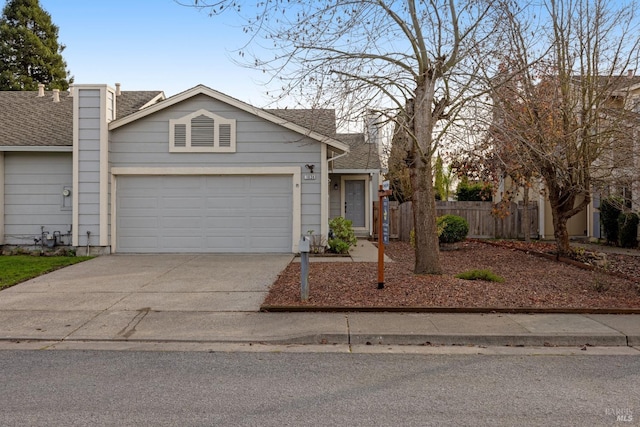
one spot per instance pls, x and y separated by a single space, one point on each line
304 247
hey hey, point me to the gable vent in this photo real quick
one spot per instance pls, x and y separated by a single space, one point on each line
180 135
225 135
202 131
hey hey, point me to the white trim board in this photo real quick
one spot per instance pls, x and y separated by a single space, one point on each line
294 172
41 148
1 198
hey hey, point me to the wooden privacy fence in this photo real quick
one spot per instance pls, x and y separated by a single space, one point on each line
482 224
394 220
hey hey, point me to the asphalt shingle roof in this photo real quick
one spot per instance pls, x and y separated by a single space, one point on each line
322 121
131 101
362 155
27 120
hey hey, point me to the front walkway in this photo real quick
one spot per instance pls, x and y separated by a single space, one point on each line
363 251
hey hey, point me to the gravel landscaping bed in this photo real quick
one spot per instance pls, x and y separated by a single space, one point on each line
529 282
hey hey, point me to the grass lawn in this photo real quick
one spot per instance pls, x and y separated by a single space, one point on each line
18 268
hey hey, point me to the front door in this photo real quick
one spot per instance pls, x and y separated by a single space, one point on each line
354 202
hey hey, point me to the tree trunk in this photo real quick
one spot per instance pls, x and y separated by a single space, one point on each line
424 219
526 229
560 204
561 235
421 173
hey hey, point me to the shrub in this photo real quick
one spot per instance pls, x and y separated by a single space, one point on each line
454 228
486 275
342 235
609 212
473 192
628 230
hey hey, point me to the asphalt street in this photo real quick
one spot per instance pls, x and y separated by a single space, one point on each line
67 388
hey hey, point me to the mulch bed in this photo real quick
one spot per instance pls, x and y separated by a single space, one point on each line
531 283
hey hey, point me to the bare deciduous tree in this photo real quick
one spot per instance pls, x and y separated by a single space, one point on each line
560 111
416 62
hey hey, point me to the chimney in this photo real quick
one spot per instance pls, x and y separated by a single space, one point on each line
56 95
70 91
118 92
630 73
40 90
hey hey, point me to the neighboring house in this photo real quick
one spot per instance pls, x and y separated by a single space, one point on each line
624 161
112 171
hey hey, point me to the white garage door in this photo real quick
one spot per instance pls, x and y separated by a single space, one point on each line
204 213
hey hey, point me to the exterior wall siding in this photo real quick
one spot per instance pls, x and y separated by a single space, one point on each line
145 143
88 164
334 197
33 185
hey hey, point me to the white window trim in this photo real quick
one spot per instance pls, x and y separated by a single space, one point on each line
186 120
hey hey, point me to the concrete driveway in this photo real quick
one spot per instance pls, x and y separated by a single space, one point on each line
111 294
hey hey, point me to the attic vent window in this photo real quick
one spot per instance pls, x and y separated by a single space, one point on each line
202 132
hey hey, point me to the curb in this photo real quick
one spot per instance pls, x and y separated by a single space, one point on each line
489 340
486 310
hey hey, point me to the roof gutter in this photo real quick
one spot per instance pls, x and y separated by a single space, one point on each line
331 159
37 148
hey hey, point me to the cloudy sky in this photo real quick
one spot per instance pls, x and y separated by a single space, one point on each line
153 45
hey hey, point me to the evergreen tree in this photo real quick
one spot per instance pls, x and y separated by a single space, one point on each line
29 49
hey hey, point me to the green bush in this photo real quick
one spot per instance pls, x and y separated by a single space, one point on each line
454 228
628 230
473 192
609 212
487 275
341 237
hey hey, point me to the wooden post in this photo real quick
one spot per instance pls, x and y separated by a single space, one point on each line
380 242
381 195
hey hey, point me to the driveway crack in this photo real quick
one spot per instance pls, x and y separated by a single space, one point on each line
130 329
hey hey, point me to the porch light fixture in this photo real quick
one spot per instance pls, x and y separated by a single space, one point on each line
335 186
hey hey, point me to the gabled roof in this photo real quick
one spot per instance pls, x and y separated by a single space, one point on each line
320 120
131 101
286 120
362 155
27 120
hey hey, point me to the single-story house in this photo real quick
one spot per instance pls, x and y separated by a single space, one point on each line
111 171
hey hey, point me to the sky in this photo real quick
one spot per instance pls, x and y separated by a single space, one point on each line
154 45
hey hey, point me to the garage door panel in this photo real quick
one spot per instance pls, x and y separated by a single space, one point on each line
142 242
140 202
142 222
178 225
228 202
204 214
266 244
181 202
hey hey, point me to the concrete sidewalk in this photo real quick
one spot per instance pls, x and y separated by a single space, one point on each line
215 299
321 328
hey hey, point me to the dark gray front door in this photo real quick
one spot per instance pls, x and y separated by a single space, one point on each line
354 202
